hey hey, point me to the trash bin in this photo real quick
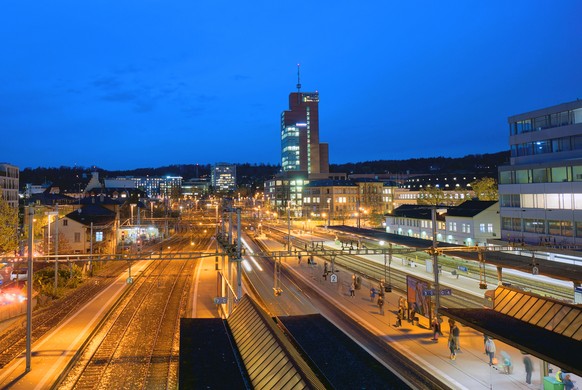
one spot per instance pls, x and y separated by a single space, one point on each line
550 383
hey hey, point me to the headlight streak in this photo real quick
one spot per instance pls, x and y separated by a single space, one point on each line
250 251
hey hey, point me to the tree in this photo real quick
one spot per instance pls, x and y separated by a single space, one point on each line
8 227
431 196
486 189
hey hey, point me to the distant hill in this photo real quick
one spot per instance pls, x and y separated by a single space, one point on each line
253 176
473 163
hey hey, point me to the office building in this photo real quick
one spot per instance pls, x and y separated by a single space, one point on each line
300 146
223 177
540 192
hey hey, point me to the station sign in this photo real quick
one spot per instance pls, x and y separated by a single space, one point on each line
220 300
462 268
333 278
431 292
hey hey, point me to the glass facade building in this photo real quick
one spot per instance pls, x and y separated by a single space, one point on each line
540 192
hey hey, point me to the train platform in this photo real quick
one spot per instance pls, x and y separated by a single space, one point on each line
469 370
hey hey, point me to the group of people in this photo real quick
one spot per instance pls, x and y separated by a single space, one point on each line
565 378
310 260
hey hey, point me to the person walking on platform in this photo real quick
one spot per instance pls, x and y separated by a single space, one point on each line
402 304
381 304
455 332
452 347
528 368
436 328
372 294
352 290
299 258
490 349
399 317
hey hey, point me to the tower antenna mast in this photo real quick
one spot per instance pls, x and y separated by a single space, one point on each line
298 78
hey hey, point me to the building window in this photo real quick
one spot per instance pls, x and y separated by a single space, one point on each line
65 222
533 226
77 237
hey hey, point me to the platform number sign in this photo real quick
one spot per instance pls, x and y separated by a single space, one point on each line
333 278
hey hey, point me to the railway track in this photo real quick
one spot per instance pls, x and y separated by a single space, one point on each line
137 344
13 340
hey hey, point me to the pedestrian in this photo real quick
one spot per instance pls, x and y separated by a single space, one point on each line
352 290
372 294
402 304
528 368
507 365
381 304
452 347
325 267
399 318
568 384
455 332
436 328
490 349
299 258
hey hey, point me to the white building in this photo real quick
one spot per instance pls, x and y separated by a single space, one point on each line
540 191
471 223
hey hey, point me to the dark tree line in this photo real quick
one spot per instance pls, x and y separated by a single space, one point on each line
252 176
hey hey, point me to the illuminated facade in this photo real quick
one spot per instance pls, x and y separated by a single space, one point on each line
540 192
223 177
300 147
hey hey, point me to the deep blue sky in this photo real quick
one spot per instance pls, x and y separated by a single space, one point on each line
125 84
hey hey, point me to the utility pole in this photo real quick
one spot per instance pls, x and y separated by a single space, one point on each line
57 249
435 258
29 290
289 226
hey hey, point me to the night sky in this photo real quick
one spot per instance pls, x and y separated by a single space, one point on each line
126 84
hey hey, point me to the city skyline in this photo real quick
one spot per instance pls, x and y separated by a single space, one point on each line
131 85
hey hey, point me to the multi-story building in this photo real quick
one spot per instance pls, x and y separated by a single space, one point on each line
223 177
339 200
300 146
471 223
540 191
9 182
195 187
171 187
303 157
